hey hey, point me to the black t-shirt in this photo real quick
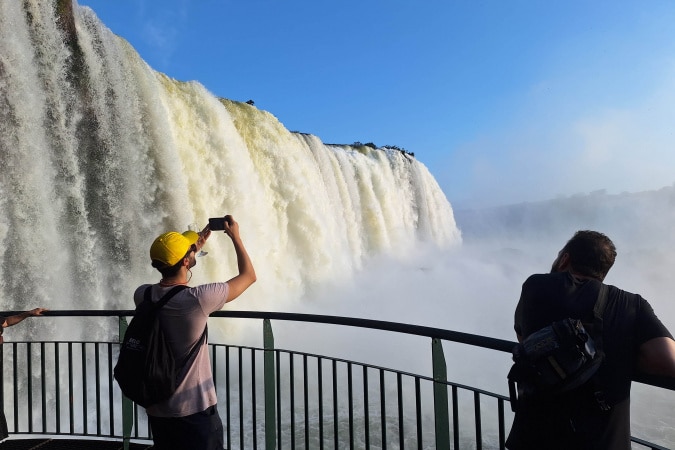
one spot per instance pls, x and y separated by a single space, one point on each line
628 322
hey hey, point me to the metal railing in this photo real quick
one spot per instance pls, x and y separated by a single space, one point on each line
269 397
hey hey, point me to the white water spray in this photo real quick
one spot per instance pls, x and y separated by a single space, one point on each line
100 154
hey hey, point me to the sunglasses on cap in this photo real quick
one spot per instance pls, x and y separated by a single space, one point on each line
198 253
193 248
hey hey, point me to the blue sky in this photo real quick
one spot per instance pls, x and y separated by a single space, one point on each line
503 101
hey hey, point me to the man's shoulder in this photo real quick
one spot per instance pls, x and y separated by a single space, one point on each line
142 288
140 292
538 277
624 298
546 279
209 287
618 291
212 296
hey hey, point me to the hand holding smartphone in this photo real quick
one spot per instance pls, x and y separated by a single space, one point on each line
218 223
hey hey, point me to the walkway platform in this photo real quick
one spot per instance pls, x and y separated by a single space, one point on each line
68 444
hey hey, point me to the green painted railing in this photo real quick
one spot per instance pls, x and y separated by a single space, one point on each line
307 401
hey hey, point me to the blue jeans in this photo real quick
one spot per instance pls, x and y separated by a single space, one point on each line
199 431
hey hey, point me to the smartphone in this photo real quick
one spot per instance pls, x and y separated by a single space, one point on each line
217 223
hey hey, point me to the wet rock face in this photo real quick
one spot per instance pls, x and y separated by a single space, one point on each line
66 21
64 11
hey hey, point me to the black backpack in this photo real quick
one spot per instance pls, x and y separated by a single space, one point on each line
558 358
146 369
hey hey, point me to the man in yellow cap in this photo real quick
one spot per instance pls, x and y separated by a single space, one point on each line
189 419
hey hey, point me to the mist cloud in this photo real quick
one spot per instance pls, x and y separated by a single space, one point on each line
474 288
570 136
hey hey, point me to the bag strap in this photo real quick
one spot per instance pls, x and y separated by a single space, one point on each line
517 372
195 348
147 295
601 303
598 312
182 373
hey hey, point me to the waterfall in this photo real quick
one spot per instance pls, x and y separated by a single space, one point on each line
100 154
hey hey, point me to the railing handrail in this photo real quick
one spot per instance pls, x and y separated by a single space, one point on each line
441 393
501 345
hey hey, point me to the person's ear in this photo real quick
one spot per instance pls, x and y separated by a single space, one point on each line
564 262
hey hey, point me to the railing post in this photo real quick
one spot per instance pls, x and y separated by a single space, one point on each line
270 386
127 405
442 418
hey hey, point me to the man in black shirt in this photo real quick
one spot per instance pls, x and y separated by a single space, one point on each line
633 339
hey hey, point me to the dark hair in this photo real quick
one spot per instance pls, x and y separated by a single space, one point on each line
591 253
167 271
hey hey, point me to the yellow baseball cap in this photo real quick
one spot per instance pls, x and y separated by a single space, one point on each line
192 235
171 247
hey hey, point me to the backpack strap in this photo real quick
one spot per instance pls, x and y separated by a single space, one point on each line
191 356
147 295
598 312
195 348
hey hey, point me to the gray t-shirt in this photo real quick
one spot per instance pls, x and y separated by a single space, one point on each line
183 320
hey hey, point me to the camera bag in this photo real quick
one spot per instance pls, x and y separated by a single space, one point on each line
558 358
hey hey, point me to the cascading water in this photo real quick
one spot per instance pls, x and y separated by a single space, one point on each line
100 154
